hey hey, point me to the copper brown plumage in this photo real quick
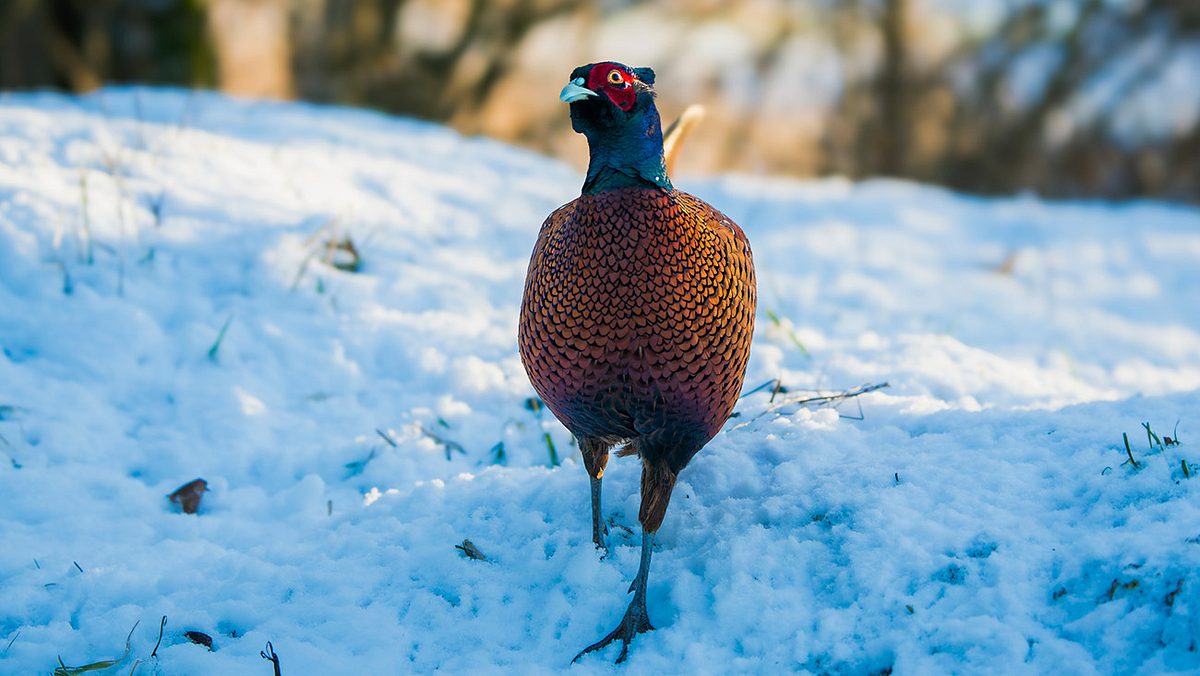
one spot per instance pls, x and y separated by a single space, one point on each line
638 309
636 324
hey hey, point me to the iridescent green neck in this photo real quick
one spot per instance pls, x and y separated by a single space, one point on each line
611 178
627 155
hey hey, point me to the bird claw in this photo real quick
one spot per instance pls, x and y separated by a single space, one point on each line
636 621
600 538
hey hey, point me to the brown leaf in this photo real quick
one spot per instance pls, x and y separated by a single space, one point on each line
471 551
199 638
1006 266
342 254
188 495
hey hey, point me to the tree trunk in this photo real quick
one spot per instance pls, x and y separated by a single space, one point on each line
252 41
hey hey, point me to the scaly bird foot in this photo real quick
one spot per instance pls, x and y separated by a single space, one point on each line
600 537
636 621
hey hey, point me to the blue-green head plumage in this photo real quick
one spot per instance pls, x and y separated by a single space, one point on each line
612 105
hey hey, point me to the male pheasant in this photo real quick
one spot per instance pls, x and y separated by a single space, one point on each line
638 308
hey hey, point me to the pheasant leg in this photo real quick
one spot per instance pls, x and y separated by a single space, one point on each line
599 530
636 620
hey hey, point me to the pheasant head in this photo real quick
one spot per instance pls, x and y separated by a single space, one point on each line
612 105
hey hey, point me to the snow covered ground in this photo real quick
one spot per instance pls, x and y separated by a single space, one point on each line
167 313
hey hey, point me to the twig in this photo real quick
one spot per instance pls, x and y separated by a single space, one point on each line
819 399
445 443
774 383
303 268
161 625
860 416
612 521
386 437
269 654
14 639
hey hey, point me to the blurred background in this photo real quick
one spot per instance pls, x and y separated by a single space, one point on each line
1067 98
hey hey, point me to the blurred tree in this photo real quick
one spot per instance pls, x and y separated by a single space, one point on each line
79 44
1067 97
1050 87
253 45
1037 102
894 86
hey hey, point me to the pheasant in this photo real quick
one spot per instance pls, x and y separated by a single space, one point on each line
638 309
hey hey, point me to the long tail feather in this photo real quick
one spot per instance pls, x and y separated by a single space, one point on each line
678 131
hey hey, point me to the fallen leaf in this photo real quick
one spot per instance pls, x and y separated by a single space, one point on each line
471 551
188 495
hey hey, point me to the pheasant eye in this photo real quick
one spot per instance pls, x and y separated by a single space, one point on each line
614 76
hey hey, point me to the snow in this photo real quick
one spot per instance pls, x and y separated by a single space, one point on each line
980 516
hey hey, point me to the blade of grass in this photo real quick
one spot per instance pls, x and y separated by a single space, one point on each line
85 233
63 670
216 346
552 450
448 444
1129 451
791 335
1152 439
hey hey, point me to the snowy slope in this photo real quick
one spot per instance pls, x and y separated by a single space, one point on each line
165 315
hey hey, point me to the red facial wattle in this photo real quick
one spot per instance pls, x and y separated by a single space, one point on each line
615 83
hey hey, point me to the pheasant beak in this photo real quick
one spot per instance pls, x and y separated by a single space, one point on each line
575 91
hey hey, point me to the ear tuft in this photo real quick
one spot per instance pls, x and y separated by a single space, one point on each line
646 75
